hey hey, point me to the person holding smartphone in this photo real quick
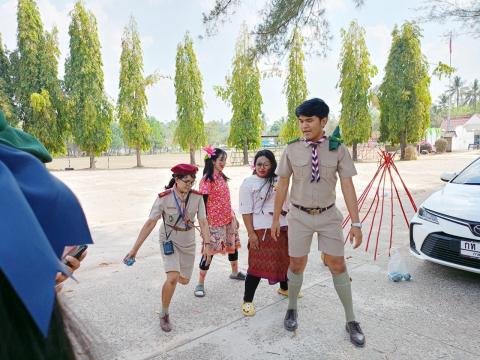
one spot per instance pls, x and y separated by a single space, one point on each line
40 218
177 206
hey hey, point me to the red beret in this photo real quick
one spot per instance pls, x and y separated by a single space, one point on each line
184 169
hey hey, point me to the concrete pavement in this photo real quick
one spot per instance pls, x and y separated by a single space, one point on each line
436 315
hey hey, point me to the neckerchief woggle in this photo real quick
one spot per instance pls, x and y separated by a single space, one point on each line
335 139
39 217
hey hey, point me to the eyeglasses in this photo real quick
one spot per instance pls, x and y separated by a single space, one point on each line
260 164
188 183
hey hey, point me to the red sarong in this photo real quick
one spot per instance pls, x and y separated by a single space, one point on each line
271 260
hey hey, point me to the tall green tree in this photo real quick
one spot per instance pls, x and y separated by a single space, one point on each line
49 118
242 92
7 89
276 127
157 135
117 144
30 42
190 131
40 100
217 132
404 93
296 88
90 111
356 72
274 32
169 129
466 13
132 100
457 88
472 95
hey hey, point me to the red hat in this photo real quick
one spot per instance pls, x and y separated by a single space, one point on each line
184 169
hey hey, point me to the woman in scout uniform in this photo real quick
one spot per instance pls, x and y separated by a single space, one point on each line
223 225
313 162
267 259
177 206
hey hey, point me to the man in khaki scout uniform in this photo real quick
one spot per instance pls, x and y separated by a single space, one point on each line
313 163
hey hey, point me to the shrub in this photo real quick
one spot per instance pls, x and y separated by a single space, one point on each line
441 145
425 146
410 152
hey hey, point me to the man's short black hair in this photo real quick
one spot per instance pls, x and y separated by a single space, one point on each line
312 107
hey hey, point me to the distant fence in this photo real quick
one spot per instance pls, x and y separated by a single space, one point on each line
365 152
235 156
369 151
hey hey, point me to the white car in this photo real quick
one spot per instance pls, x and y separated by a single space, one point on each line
446 227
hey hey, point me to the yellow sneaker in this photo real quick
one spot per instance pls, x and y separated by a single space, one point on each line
248 309
285 293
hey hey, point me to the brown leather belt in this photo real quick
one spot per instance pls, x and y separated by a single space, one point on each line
313 211
176 228
283 213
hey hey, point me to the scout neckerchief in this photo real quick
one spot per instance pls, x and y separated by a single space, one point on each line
314 144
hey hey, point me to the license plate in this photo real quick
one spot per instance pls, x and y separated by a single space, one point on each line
470 249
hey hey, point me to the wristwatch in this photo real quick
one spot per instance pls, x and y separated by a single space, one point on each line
357 225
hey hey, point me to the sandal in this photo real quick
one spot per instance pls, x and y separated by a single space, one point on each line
199 290
248 309
238 276
285 293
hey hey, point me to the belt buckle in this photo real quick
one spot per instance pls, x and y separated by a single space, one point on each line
314 211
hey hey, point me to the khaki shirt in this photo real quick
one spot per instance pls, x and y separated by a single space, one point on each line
165 203
297 160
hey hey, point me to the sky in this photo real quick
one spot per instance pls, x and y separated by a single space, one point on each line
162 25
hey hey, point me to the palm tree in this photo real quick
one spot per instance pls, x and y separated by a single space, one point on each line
457 88
472 95
443 101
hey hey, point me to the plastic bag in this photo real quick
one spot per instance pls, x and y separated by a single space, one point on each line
397 268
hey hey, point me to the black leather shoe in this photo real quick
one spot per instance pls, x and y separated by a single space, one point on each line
290 322
356 334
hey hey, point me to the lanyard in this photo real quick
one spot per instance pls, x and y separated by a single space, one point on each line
182 212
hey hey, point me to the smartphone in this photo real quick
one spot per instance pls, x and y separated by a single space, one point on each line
168 247
76 252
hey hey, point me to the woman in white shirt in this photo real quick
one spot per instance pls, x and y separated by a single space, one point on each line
267 258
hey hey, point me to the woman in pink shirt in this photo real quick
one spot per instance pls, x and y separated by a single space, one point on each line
224 238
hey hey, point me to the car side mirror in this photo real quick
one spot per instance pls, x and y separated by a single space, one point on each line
448 176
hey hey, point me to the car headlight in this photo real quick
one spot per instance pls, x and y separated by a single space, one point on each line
427 215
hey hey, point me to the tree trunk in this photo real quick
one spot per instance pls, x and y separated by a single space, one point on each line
245 154
354 151
192 156
139 159
92 161
403 145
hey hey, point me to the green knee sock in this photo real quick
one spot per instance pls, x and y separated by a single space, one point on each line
164 311
294 285
344 291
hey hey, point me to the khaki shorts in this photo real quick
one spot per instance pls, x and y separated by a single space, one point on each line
327 225
183 258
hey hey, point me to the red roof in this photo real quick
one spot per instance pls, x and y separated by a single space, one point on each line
455 121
